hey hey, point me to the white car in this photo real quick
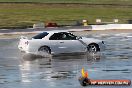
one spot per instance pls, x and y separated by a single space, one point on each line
59 42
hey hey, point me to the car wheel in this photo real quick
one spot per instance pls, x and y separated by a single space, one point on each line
93 48
45 49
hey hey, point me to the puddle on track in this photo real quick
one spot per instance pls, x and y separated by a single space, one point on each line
63 71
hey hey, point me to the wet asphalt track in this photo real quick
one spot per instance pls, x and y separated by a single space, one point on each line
63 71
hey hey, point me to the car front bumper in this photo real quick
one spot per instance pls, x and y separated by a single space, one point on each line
102 46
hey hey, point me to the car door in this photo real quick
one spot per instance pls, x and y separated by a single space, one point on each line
54 41
71 44
58 43
66 43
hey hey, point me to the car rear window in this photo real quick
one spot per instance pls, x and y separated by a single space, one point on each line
40 36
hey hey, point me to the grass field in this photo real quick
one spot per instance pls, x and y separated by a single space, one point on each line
13 15
125 2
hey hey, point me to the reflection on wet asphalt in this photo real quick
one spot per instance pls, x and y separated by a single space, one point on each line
18 70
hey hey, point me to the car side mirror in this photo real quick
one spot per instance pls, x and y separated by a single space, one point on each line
79 38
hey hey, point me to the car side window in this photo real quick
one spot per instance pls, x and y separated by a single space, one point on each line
56 36
62 36
40 36
70 36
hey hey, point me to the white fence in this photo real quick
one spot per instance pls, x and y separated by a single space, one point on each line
111 26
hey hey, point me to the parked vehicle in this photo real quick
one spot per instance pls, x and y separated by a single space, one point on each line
51 25
60 42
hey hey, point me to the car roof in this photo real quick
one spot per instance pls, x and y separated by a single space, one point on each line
56 31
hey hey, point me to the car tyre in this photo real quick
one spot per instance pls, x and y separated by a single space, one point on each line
45 49
93 48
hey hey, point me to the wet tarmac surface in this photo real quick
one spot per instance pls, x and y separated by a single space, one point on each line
64 71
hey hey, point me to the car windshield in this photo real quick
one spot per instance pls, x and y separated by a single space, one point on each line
40 36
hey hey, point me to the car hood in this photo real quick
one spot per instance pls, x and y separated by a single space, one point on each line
90 40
